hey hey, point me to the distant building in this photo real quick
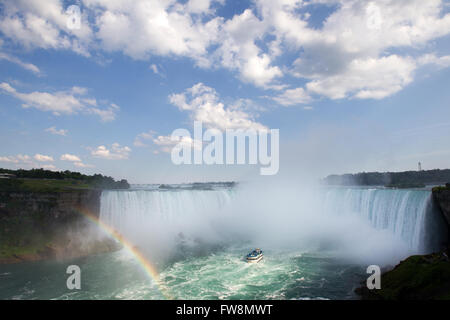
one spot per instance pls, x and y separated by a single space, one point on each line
7 176
420 166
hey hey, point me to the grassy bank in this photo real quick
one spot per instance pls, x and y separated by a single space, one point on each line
416 278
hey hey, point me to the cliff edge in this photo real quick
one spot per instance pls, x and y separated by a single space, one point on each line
441 196
49 225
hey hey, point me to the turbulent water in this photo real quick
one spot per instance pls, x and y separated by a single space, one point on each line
317 243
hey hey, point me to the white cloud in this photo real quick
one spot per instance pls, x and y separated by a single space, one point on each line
82 165
61 102
28 162
201 6
28 66
166 143
353 38
349 56
115 153
292 97
154 68
106 115
142 138
238 49
76 160
43 158
70 157
53 130
9 159
43 24
367 79
431 58
141 28
202 102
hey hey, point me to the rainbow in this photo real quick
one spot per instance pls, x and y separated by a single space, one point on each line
149 269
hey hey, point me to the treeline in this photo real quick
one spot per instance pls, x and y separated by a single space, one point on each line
97 181
407 178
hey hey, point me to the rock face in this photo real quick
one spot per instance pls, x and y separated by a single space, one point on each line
35 226
57 206
442 197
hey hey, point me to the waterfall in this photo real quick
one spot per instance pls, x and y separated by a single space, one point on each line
157 216
129 211
408 214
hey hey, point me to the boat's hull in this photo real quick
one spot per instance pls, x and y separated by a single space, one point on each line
255 260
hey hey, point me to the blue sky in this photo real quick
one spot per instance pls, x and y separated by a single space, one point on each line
352 85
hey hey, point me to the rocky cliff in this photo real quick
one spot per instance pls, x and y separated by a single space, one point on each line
441 196
43 225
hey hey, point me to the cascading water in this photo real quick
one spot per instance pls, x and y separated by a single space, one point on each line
167 213
408 214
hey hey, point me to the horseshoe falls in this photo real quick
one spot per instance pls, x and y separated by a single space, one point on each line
408 214
317 243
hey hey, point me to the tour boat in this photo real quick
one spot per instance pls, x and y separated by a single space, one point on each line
255 256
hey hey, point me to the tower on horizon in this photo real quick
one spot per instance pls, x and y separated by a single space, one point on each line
420 166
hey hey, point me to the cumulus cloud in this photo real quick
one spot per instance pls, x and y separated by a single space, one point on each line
293 97
203 104
82 165
43 158
70 157
238 49
53 130
115 153
69 102
368 78
16 159
261 45
166 143
141 28
26 161
348 56
76 160
432 59
43 24
142 139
